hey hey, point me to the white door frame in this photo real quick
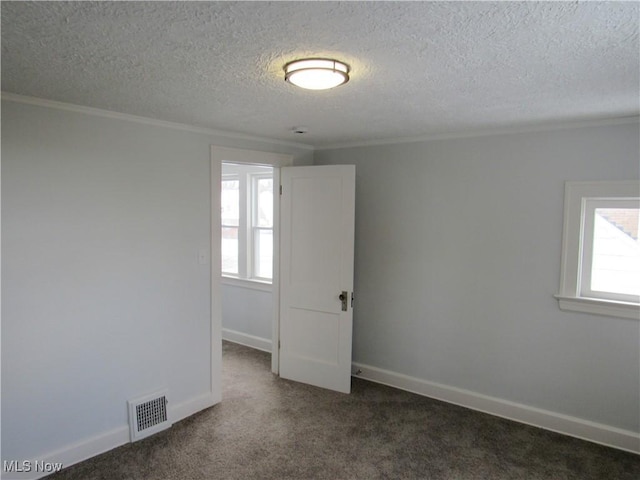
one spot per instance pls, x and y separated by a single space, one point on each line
254 157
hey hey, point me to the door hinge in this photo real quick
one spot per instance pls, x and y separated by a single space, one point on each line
352 297
280 189
278 344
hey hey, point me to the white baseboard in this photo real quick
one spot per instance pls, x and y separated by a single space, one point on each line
190 407
102 443
247 340
576 427
74 453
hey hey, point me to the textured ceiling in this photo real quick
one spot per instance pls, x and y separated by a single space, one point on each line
418 68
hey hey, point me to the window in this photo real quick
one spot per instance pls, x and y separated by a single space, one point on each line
247 222
601 249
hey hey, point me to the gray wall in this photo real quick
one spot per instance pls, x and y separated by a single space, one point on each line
103 297
247 311
458 258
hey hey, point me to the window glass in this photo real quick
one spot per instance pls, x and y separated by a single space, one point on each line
230 219
230 250
230 202
264 253
616 251
264 200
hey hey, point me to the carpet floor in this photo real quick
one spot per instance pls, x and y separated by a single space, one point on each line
270 428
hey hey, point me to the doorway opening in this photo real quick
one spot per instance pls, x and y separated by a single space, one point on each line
246 249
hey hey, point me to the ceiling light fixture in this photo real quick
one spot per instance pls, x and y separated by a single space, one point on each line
316 73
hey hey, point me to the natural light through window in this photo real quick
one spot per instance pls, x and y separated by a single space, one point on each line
615 261
247 221
601 249
230 208
262 225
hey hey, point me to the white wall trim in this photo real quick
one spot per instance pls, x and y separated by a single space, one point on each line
275 292
599 307
190 407
485 132
556 422
247 340
251 157
549 126
78 452
247 283
215 280
70 107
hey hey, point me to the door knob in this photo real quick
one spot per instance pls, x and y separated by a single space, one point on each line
344 298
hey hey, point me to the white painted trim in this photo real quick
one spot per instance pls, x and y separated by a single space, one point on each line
70 107
214 278
556 422
275 292
246 283
78 452
550 126
569 296
251 157
191 407
543 127
597 306
88 448
247 340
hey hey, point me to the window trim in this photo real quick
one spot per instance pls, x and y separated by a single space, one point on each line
570 296
251 284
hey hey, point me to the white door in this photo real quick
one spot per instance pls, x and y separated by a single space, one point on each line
316 269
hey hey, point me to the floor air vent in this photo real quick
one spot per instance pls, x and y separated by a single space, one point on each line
148 415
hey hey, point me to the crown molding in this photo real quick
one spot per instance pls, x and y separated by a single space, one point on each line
539 127
70 107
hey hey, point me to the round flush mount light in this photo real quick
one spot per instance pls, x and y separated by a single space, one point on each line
316 73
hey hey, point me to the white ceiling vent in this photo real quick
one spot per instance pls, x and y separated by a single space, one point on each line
148 415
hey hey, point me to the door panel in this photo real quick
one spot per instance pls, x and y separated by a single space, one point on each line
316 265
325 328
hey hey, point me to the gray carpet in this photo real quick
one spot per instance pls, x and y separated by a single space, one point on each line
269 428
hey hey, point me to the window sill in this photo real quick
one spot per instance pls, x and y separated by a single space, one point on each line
599 307
246 283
